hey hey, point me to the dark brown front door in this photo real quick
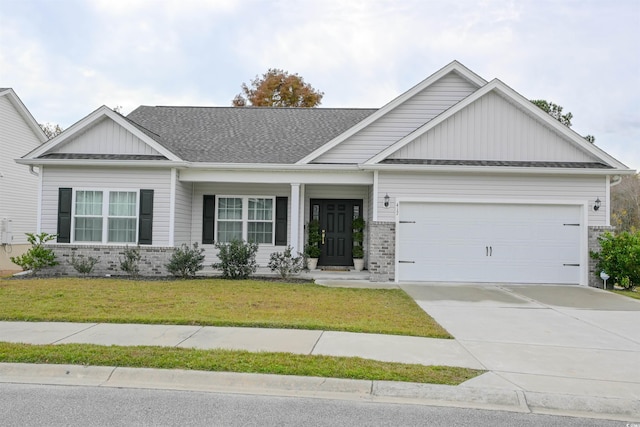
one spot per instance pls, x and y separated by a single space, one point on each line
335 218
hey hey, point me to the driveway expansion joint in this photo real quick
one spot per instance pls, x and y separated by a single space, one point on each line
76 333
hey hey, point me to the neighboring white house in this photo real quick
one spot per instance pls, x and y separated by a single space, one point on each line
458 179
19 134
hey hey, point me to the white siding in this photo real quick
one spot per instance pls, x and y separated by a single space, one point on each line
18 187
158 180
503 188
401 121
222 189
492 129
105 137
183 216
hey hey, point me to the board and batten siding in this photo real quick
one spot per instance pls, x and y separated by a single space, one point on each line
106 137
400 121
158 180
492 128
234 189
183 213
18 187
507 188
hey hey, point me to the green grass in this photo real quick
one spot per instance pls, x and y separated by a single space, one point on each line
232 361
629 293
216 302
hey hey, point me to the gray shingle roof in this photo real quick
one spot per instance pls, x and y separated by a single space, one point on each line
102 156
529 164
244 134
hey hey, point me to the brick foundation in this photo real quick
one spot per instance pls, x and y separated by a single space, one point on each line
152 260
382 251
594 279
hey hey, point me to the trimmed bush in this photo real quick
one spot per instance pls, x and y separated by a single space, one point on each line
38 257
237 259
130 262
83 265
619 257
185 262
285 263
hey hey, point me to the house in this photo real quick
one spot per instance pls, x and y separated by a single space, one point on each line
19 134
458 179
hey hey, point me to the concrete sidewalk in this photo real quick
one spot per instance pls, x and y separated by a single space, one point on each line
489 391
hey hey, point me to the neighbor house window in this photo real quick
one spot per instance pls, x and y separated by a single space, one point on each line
245 218
105 216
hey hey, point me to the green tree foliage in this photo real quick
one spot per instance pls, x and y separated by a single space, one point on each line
185 262
237 259
51 130
625 204
38 257
278 88
619 257
555 111
130 262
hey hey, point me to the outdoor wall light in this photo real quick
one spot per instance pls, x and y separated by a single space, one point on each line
597 204
386 200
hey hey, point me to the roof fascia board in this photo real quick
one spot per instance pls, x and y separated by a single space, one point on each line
496 169
25 113
101 162
454 66
505 91
87 121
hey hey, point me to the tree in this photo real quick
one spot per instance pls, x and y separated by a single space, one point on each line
555 111
278 88
625 204
51 130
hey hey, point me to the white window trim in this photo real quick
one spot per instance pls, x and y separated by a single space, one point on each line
105 215
245 216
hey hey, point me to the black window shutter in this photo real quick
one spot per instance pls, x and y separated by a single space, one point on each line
281 221
145 228
208 219
64 215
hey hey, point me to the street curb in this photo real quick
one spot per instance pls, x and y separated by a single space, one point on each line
326 388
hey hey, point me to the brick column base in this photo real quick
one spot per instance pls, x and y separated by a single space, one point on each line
382 251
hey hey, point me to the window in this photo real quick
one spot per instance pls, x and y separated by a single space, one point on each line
245 218
105 216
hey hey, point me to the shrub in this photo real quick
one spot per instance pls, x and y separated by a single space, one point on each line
312 250
83 265
130 263
237 259
185 262
619 257
285 263
38 257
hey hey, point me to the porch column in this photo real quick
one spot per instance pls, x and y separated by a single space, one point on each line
295 218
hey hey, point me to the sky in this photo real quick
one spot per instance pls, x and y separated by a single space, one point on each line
66 58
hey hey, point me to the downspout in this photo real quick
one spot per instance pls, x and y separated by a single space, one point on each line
32 172
615 180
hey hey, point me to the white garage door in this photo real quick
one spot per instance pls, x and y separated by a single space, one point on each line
468 242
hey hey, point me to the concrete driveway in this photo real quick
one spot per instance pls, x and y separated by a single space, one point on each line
556 339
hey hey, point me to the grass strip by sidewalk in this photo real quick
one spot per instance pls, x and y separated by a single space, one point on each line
216 302
232 361
629 293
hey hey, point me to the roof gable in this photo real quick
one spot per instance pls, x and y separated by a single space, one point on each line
494 125
404 114
104 134
16 102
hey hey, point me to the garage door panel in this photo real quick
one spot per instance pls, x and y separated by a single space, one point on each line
489 242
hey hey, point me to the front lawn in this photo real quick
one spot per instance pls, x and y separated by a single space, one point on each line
233 361
216 302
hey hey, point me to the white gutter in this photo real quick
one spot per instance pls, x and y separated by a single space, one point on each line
496 169
95 162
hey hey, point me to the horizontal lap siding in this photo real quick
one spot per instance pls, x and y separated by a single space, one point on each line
18 187
183 214
500 187
401 121
158 180
106 137
230 189
492 129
